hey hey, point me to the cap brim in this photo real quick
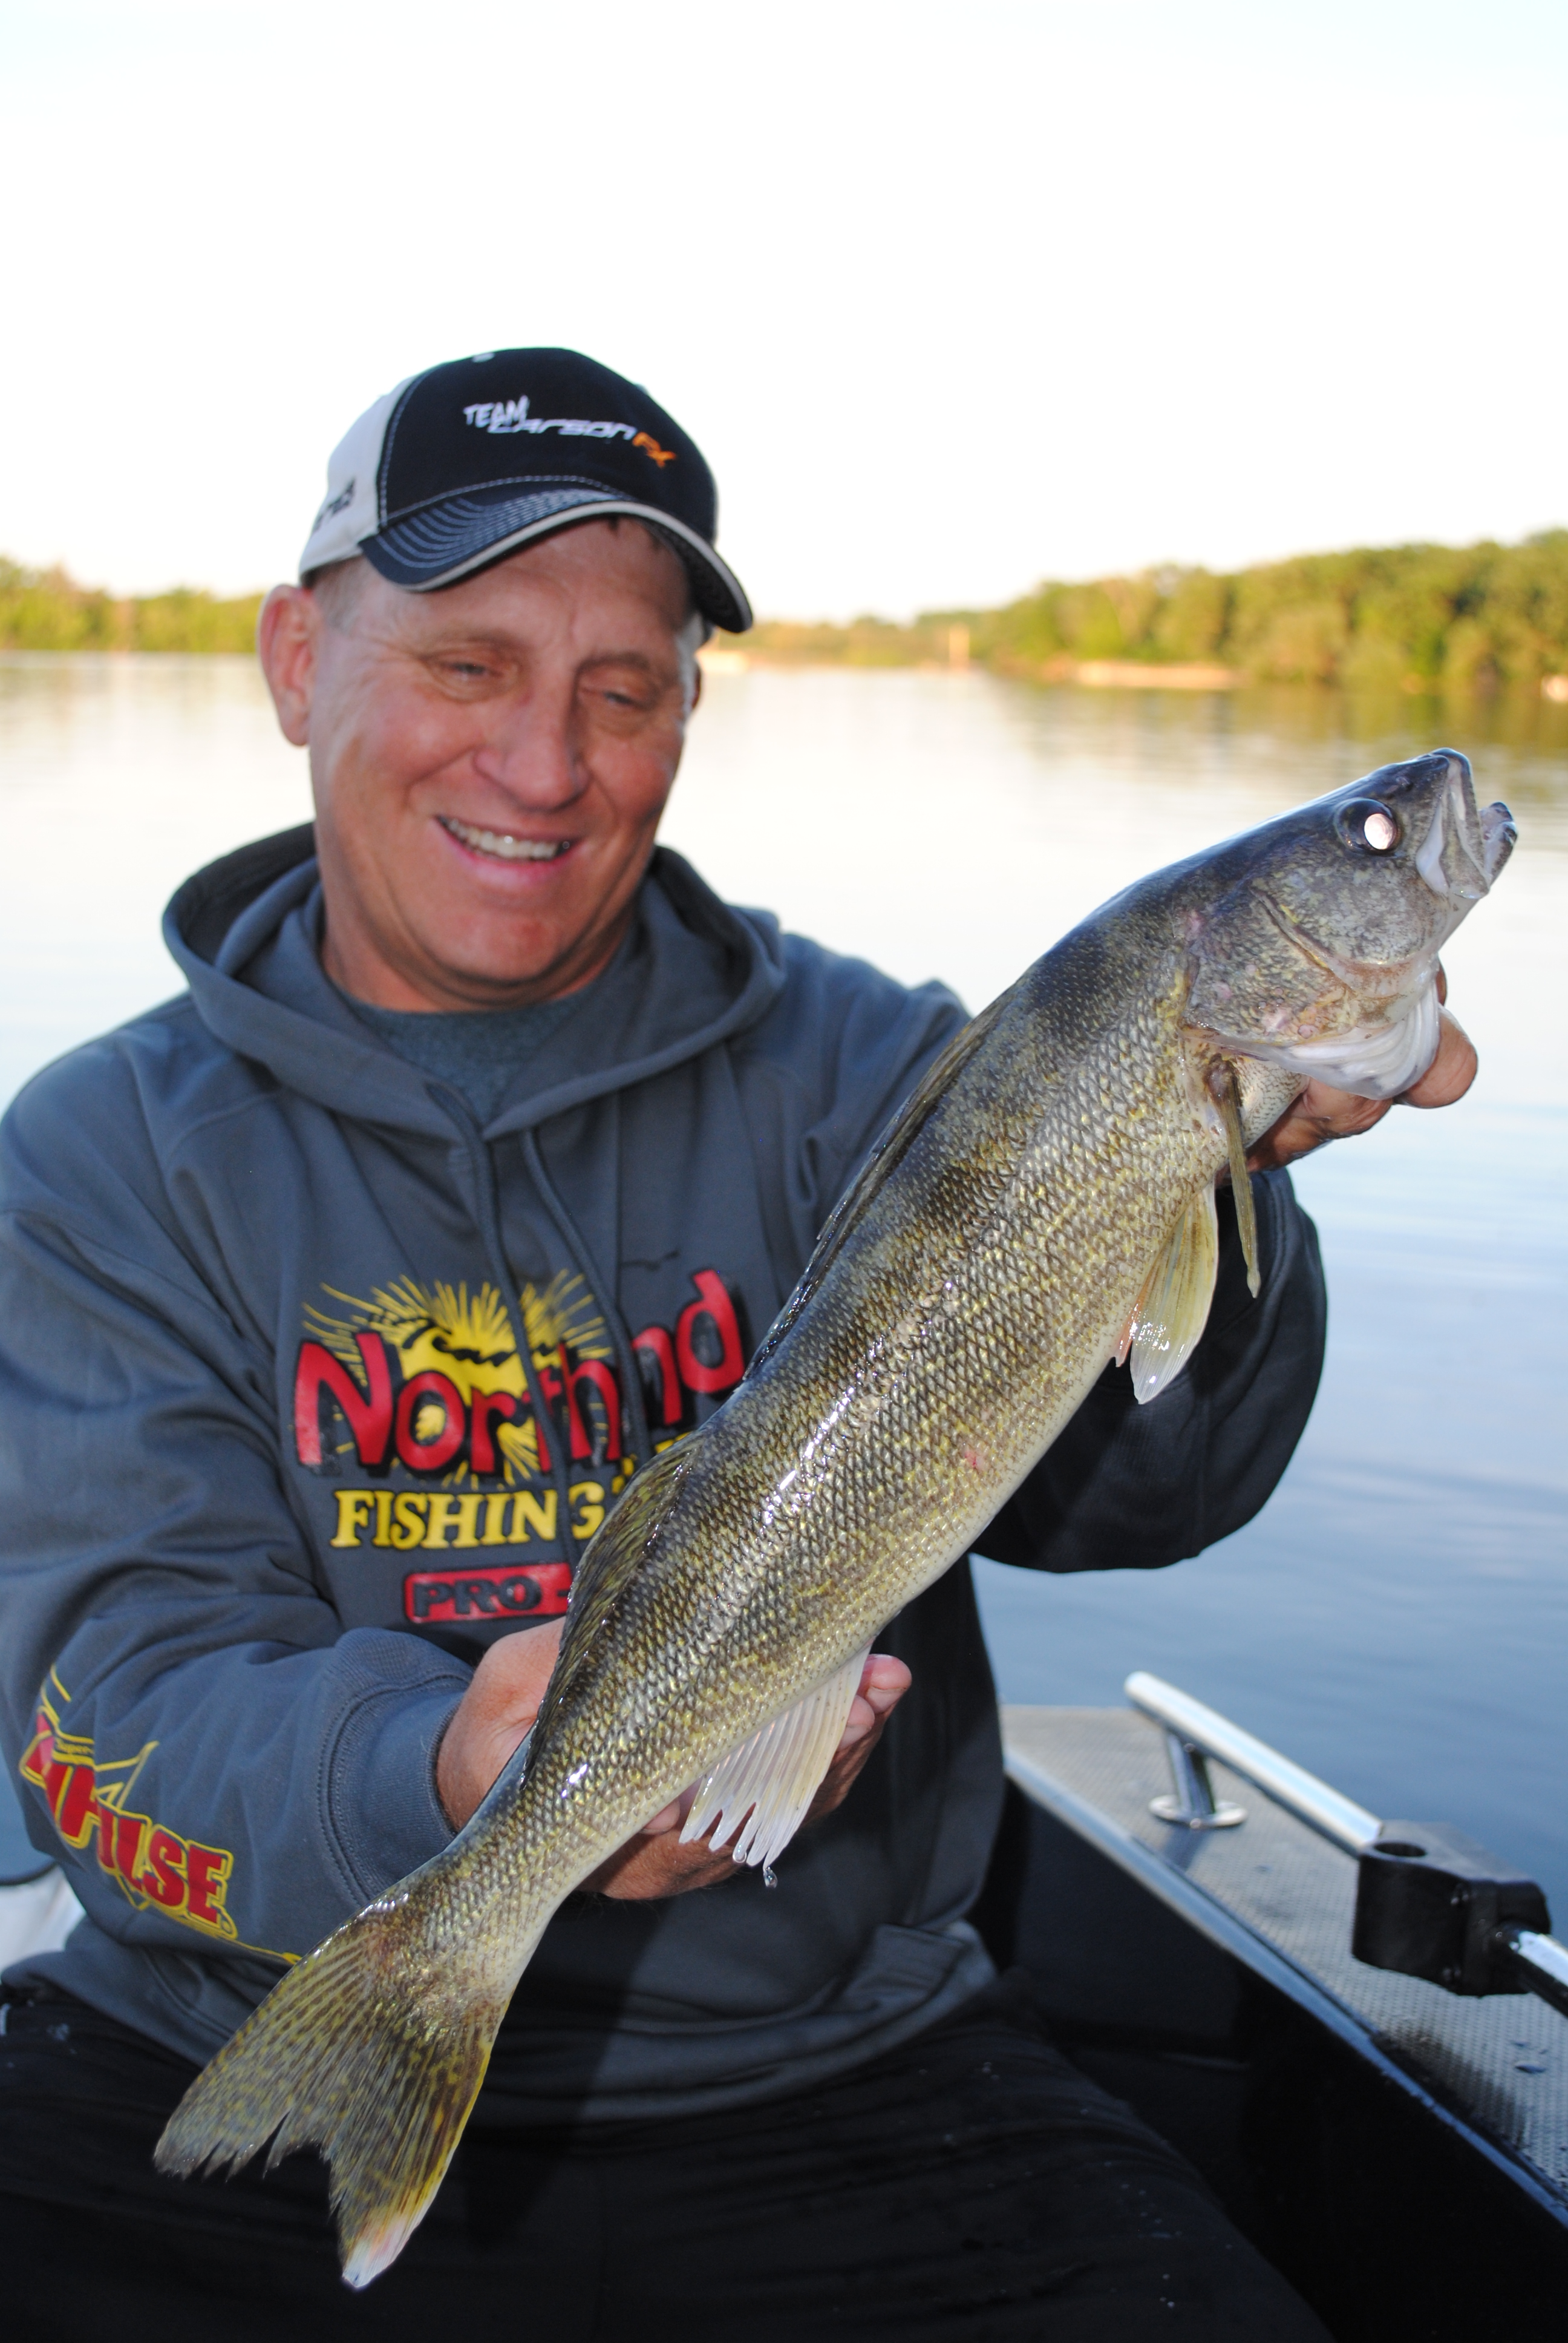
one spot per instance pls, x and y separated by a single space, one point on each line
453 537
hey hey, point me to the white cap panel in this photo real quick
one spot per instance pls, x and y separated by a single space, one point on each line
350 510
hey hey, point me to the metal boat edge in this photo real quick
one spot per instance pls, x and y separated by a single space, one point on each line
1187 1901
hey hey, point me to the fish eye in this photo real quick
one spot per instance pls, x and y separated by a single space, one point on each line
1365 822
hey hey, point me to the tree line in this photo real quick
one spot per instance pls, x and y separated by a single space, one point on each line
46 610
1412 617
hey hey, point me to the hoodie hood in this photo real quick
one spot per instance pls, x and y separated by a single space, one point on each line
245 933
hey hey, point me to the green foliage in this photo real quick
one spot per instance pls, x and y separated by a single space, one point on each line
46 610
1409 618
1193 617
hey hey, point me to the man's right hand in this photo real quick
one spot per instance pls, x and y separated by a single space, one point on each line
503 1700
493 1715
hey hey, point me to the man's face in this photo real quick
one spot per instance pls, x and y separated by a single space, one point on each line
489 762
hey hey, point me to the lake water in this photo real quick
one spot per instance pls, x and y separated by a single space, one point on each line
1397 1617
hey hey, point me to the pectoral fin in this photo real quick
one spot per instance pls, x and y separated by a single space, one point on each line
777 1774
1230 1090
1174 1308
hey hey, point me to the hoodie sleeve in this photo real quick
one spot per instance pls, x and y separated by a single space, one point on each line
1126 1487
192 1733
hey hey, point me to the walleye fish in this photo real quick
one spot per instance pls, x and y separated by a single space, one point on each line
1044 1201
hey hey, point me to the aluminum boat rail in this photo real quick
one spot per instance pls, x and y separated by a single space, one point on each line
1431 1902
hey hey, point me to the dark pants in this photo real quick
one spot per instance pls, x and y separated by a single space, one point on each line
971 2187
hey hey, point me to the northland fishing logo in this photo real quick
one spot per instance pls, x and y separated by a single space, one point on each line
421 1390
505 416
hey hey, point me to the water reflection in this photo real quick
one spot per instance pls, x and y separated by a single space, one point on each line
117 777
955 825
1398 1616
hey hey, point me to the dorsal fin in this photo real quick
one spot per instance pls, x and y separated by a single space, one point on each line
884 1158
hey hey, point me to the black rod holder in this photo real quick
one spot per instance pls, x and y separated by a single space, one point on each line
1430 1903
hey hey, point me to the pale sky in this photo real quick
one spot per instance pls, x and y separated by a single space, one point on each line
954 298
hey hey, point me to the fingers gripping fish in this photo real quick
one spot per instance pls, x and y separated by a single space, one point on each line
1044 1201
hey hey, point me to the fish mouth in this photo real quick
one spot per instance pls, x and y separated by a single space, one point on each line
1465 846
503 845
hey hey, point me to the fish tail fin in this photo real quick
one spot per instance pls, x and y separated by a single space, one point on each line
367 2052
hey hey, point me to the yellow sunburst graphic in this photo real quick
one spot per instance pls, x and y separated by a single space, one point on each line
467 1337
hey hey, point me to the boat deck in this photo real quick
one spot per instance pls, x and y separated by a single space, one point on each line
1281 1899
1277 1896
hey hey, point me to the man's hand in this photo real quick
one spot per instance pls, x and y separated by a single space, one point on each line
1320 1113
503 1701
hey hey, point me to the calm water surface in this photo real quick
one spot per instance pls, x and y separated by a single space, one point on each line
1397 1617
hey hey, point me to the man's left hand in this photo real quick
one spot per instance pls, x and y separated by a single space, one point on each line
1320 1113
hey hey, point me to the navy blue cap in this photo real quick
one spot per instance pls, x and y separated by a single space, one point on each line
461 465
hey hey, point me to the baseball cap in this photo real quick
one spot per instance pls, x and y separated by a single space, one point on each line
465 462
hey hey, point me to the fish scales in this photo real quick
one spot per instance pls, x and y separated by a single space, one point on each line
959 1308
1006 1331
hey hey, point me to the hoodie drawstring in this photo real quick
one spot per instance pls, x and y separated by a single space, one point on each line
487 1214
583 1262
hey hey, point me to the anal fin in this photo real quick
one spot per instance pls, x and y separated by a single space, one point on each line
1174 1309
763 1790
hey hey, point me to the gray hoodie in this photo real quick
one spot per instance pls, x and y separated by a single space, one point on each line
310 1388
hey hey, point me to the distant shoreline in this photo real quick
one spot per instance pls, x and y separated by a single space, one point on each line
724 658
1412 618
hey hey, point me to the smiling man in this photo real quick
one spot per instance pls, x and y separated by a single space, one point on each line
338 1302
492 762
